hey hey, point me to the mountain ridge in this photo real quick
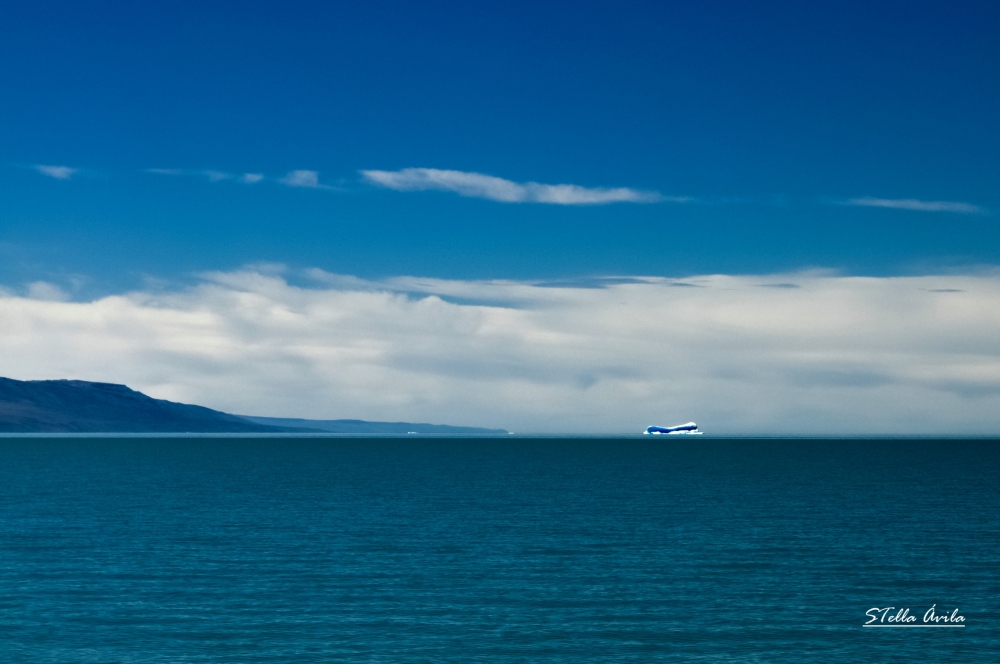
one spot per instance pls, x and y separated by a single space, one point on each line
77 406
364 426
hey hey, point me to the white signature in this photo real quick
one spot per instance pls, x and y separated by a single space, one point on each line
883 617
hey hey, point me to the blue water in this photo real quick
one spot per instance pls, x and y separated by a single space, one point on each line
507 550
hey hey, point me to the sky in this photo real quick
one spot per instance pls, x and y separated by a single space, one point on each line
560 180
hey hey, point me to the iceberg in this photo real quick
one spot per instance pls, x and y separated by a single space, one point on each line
690 428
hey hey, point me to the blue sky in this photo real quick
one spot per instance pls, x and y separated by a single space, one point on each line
588 216
767 116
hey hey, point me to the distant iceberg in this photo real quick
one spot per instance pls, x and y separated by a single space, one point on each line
690 428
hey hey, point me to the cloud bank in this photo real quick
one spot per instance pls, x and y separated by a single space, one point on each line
829 355
914 204
478 185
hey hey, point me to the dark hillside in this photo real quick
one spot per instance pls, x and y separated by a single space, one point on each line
76 406
365 427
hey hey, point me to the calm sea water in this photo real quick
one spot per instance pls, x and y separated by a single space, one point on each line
508 550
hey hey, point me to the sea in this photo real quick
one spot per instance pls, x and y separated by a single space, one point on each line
510 549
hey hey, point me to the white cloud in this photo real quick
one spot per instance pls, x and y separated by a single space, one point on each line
834 355
212 175
43 290
309 179
914 204
478 185
57 172
216 176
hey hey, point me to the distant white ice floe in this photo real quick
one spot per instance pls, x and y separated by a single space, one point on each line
681 429
479 185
